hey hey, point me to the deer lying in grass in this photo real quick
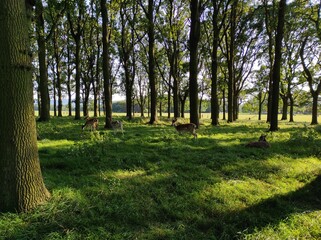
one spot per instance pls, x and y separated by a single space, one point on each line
187 127
117 126
92 123
261 143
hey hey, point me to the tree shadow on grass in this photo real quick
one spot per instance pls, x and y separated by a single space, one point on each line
268 212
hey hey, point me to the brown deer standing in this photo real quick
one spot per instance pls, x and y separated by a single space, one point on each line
92 123
261 143
187 127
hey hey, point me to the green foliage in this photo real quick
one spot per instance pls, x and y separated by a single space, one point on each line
152 183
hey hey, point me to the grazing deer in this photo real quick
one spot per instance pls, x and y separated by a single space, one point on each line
187 127
117 125
91 122
261 143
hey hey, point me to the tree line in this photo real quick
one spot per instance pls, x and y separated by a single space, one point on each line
177 50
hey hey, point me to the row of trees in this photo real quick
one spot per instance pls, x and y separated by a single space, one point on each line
171 49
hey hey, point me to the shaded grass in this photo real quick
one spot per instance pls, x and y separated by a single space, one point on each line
152 183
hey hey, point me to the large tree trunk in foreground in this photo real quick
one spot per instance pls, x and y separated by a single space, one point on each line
22 186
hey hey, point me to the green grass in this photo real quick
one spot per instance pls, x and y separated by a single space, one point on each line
152 183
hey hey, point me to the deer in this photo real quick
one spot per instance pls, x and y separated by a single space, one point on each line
261 143
187 127
90 122
117 125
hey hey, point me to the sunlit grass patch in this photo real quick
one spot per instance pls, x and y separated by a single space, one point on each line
301 225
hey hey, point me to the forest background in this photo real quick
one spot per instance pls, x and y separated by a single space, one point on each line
87 51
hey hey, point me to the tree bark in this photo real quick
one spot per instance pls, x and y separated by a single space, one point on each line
69 72
291 108
315 97
58 71
151 63
309 78
230 64
43 71
22 186
277 66
214 97
106 65
284 107
193 65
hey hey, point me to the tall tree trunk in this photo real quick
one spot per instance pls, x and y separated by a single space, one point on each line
175 98
235 105
43 83
54 95
96 83
77 79
284 107
260 105
315 97
126 48
175 74
214 97
169 98
277 66
270 30
309 77
58 73
224 104
22 186
77 34
151 63
291 108
230 65
195 6
183 108
69 72
106 65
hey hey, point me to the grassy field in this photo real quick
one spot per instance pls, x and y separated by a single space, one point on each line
151 183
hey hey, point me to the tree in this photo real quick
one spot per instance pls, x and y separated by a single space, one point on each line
77 33
270 23
291 69
106 64
127 53
277 66
217 5
229 41
195 7
56 10
173 34
314 82
43 71
150 12
310 55
22 186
